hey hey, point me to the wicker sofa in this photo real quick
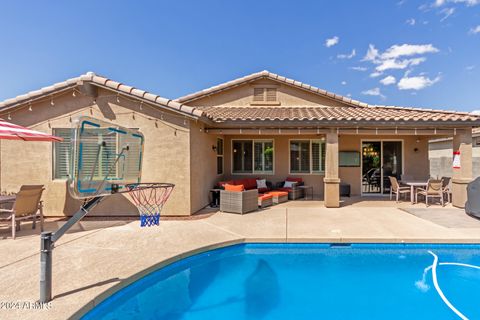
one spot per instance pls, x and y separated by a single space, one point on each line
239 201
294 192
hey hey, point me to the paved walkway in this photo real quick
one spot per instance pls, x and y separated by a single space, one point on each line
99 257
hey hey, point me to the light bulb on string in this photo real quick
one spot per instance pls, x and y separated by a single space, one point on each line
74 94
118 98
30 107
51 102
9 117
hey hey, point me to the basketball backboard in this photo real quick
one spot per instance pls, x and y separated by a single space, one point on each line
105 157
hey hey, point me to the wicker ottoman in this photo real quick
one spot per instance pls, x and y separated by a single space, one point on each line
279 196
265 200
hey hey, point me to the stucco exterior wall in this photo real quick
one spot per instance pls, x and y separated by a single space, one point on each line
203 166
166 152
281 164
415 164
242 96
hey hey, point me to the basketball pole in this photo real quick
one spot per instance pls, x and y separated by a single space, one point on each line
47 245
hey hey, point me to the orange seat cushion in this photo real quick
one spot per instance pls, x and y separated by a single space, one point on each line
265 196
278 193
231 187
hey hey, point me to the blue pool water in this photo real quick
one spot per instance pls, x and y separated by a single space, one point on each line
308 281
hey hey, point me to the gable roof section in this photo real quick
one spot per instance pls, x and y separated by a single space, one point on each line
105 83
352 111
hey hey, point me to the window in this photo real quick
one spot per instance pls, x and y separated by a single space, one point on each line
61 153
265 95
219 156
307 156
252 156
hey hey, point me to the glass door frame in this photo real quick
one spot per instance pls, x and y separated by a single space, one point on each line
402 141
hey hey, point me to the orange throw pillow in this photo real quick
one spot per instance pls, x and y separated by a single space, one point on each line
231 187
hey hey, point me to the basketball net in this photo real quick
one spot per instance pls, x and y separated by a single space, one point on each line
149 198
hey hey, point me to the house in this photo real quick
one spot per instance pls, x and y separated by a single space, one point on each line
441 156
261 125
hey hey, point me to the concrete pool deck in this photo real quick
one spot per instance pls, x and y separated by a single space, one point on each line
98 257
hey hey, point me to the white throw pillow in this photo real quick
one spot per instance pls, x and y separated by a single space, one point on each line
262 184
289 184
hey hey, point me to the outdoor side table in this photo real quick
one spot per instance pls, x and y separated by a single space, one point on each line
215 198
305 191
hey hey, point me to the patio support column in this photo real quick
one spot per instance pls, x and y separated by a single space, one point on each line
331 180
462 141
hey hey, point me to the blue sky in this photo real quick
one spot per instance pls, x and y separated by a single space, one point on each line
401 52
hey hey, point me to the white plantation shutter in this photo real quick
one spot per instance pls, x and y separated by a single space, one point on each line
61 152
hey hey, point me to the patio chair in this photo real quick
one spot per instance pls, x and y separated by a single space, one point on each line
239 201
447 188
434 189
397 189
27 205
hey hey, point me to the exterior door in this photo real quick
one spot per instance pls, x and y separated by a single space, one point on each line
380 159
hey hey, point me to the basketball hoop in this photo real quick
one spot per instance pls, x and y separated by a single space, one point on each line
149 198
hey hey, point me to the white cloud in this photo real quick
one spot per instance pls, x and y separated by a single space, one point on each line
475 30
388 80
470 68
468 3
375 74
347 56
399 64
416 83
359 68
372 53
344 83
397 51
374 92
411 21
475 112
332 41
447 12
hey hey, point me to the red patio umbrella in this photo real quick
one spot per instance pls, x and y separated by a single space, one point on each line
12 131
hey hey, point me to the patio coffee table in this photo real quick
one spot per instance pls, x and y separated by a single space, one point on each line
412 185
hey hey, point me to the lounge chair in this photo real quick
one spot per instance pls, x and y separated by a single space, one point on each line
396 189
27 205
239 201
434 189
447 188
293 191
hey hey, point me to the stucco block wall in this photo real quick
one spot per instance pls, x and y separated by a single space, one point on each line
441 158
281 164
166 153
203 166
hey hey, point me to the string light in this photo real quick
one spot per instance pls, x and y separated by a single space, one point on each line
141 105
74 94
118 98
9 117
30 106
51 102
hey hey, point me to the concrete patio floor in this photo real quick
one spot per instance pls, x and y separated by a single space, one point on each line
99 257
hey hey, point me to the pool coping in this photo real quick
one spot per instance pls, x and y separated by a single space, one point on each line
98 299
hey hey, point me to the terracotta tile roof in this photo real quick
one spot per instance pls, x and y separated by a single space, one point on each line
103 82
353 111
327 113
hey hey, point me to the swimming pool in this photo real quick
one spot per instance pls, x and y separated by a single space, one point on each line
303 281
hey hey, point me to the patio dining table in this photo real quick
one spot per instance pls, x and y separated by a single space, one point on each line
413 185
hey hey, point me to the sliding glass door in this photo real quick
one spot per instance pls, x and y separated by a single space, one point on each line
380 159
